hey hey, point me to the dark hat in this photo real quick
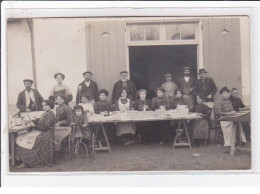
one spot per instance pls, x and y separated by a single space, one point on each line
103 91
186 68
87 72
28 80
61 74
168 75
202 71
123 72
224 89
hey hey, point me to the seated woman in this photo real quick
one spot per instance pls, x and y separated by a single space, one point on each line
103 106
143 128
63 118
126 130
224 107
179 100
60 88
79 122
38 151
87 104
160 100
161 128
200 127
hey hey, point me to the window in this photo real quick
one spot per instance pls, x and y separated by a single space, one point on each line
163 31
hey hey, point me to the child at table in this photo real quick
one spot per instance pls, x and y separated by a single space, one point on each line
200 127
79 123
87 104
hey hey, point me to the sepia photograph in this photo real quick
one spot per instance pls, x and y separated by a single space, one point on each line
128 94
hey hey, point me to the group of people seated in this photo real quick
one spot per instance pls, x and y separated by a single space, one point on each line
55 124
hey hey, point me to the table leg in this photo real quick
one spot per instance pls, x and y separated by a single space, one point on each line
186 131
12 148
233 142
175 138
238 134
105 135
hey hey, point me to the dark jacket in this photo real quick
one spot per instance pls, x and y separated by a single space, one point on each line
205 88
118 86
90 91
237 103
21 101
187 86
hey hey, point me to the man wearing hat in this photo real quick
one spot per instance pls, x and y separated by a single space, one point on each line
205 86
29 99
87 88
169 86
123 83
187 83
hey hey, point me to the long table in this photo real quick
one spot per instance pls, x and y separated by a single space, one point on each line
237 119
100 120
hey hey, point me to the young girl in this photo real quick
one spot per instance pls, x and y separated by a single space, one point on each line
125 130
200 127
79 123
88 105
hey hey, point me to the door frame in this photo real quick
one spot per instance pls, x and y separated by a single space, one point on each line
198 43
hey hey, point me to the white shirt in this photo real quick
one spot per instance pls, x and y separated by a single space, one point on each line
87 107
28 96
87 83
187 79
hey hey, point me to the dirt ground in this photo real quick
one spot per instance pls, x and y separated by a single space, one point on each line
153 157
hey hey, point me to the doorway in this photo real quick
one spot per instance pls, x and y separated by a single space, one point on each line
149 64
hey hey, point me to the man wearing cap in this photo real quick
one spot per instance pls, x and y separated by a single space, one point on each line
123 83
205 86
187 83
169 86
87 88
29 99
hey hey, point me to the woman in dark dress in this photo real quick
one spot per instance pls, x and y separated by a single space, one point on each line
63 119
143 128
200 127
36 148
60 88
179 100
103 106
162 129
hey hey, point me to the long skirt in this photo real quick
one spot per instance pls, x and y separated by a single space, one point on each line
125 128
146 131
200 129
60 133
41 152
228 129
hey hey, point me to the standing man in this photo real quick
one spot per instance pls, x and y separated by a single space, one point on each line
205 87
187 83
124 83
169 86
87 88
29 99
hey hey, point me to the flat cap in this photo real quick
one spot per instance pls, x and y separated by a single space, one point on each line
28 80
89 72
